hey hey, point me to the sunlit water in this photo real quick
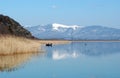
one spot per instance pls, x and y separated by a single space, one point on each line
74 60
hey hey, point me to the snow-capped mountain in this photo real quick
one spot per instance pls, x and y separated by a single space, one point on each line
74 32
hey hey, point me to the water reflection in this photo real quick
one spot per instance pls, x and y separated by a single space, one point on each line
76 49
57 55
13 62
75 60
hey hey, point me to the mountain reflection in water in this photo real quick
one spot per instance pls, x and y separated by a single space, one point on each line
76 49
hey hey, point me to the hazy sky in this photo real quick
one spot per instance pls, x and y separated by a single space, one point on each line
81 12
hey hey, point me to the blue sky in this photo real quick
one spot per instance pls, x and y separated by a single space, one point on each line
81 12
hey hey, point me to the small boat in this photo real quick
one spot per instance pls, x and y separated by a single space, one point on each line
49 44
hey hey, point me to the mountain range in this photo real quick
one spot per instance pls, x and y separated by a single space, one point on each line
74 32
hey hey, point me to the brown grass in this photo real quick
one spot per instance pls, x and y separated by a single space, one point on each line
54 42
15 45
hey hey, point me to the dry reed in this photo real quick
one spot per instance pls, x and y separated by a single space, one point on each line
55 42
16 45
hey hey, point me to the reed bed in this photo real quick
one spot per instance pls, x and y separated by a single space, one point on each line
16 45
55 42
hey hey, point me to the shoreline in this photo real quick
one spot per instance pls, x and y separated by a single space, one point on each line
97 41
69 41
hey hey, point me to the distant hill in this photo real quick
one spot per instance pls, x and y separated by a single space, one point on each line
74 32
8 26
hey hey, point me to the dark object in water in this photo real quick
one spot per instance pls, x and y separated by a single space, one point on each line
49 44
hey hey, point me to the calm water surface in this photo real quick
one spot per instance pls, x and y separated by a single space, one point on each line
74 60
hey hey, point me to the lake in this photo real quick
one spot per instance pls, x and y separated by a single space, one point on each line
73 60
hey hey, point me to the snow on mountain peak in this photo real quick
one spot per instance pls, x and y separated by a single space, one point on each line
57 26
74 32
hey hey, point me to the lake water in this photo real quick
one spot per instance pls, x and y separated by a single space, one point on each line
74 60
